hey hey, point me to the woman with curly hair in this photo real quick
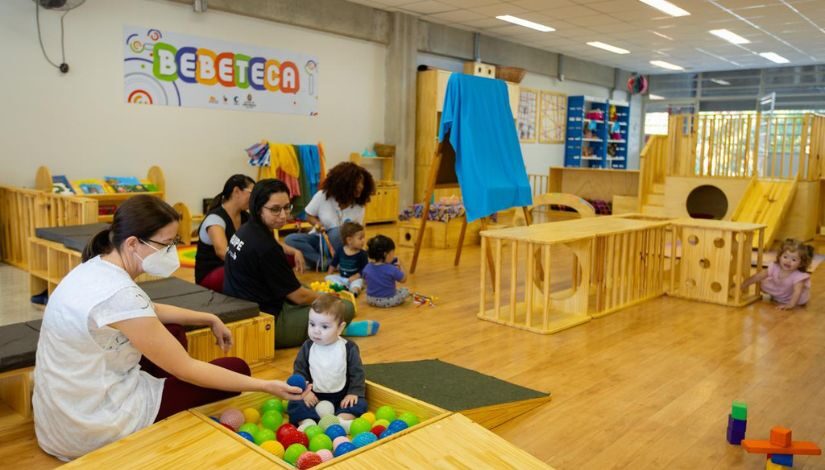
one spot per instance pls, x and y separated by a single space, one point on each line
345 191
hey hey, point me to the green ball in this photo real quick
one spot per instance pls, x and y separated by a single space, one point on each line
409 418
328 421
321 441
386 412
264 435
251 428
312 431
273 404
381 422
293 452
358 426
272 420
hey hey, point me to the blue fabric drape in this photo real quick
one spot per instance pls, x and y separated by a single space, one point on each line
489 165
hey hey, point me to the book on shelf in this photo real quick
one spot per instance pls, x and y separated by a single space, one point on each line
61 185
129 184
91 186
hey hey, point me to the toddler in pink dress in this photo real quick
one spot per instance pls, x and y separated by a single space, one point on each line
787 280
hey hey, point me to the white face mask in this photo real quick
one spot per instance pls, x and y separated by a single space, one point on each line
161 263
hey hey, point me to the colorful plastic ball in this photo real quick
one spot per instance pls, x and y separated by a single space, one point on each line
273 447
215 419
345 423
385 412
364 439
229 427
369 416
358 426
273 404
324 454
249 428
381 422
233 418
397 425
295 437
264 435
293 452
321 441
324 408
246 436
409 418
386 433
338 441
313 431
344 448
377 430
336 430
251 415
284 430
272 420
308 460
297 380
303 425
328 421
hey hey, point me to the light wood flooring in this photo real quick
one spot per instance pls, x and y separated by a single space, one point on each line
649 387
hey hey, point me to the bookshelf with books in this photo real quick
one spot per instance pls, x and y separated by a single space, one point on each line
109 191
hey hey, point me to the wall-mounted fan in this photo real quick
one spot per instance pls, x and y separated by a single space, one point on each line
60 5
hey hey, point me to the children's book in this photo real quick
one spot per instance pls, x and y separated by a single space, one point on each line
126 184
91 186
60 185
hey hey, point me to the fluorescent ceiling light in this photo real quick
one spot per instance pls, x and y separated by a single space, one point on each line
608 47
720 82
656 97
774 57
667 7
729 36
666 65
525 23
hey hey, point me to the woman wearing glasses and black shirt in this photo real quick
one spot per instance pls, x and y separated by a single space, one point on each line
256 267
100 330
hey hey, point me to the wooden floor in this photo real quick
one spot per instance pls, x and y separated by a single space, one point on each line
649 387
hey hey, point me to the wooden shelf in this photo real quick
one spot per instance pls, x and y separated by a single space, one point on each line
590 158
592 140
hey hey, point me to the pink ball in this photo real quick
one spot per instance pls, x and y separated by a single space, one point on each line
338 440
233 418
308 460
324 454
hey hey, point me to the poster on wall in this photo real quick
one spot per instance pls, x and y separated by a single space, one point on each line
527 115
171 69
552 117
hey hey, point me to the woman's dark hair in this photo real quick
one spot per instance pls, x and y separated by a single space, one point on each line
139 216
260 196
234 181
342 181
378 247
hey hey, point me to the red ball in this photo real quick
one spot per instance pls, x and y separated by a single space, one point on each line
377 430
229 427
284 431
308 460
295 437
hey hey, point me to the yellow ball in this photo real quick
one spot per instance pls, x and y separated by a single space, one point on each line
273 447
369 416
251 415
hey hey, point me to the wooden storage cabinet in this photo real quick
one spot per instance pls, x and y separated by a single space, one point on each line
383 206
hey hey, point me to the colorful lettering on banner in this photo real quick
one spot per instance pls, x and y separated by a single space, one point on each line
177 70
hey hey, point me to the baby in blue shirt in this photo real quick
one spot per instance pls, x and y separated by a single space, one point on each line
382 273
350 260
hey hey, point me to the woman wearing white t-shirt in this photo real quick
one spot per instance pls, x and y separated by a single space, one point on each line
89 388
344 192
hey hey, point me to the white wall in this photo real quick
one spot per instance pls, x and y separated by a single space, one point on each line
79 125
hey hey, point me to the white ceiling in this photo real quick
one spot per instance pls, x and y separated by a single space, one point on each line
794 29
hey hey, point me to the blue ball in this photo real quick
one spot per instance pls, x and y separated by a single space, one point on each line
397 425
213 418
247 436
386 433
297 380
336 430
343 448
364 439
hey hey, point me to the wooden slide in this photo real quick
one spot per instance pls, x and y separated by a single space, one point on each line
766 201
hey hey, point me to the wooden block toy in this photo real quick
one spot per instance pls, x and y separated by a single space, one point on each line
782 459
780 436
739 410
736 430
755 446
772 466
480 69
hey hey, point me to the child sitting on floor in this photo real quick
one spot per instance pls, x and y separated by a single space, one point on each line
350 260
787 280
382 273
330 363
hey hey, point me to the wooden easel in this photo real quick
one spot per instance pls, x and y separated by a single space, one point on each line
443 176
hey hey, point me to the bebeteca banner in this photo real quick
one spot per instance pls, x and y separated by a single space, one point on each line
164 68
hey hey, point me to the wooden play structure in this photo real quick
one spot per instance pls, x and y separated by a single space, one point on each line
743 167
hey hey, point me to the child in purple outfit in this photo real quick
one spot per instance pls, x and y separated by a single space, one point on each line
382 273
787 280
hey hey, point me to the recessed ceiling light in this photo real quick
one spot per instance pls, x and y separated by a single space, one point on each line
720 82
667 7
666 65
662 35
608 47
655 97
729 36
774 57
525 23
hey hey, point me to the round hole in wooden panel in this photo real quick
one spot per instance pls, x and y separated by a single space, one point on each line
693 240
719 242
707 202
715 286
690 283
704 262
408 236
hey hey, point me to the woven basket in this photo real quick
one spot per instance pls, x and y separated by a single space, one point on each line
510 74
384 150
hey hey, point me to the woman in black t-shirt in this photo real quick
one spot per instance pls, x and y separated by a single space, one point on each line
226 214
257 268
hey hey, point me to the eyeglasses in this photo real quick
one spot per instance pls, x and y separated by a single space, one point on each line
278 209
166 247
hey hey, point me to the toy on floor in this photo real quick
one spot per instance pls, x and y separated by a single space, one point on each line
737 422
326 287
780 448
362 328
421 299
